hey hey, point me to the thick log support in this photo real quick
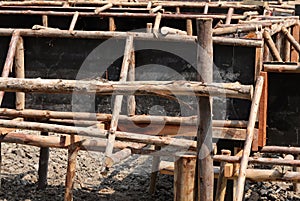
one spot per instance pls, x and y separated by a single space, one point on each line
205 174
271 45
249 139
291 39
184 176
20 72
43 165
154 171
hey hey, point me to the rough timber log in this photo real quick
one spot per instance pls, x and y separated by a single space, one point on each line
137 119
271 46
163 88
281 149
204 175
291 39
20 72
249 138
281 68
95 132
121 35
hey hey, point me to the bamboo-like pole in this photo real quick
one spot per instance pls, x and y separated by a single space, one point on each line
229 15
204 134
271 45
103 8
159 88
189 27
184 176
43 165
71 168
137 119
222 180
119 98
20 72
74 21
291 39
249 138
45 20
156 25
10 58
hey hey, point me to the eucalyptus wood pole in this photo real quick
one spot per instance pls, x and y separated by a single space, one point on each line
291 39
43 165
184 176
119 98
156 24
222 180
20 73
189 27
149 28
10 58
229 15
74 21
111 24
45 20
131 104
249 139
287 48
71 168
271 45
204 133
206 7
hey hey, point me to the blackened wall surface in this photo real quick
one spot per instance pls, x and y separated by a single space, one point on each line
284 109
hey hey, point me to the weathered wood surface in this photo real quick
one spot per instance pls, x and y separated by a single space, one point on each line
282 68
249 138
281 149
20 72
121 35
291 39
161 88
222 180
204 175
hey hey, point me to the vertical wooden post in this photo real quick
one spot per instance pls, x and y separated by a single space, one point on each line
71 168
294 53
249 139
111 24
184 177
263 106
177 10
236 166
205 11
118 99
278 43
222 180
43 165
20 73
266 56
45 20
131 77
156 24
204 133
74 21
189 27
287 49
149 28
154 171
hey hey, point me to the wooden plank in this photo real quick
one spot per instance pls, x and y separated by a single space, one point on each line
263 106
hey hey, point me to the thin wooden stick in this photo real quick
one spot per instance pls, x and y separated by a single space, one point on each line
131 105
204 134
206 7
43 165
281 149
156 9
74 21
45 20
20 73
149 5
249 138
103 8
71 168
222 180
118 99
10 58
229 15
287 49
149 28
271 45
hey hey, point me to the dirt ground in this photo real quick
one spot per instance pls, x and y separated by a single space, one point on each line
128 181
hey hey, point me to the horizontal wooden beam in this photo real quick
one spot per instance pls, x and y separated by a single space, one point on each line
281 68
159 88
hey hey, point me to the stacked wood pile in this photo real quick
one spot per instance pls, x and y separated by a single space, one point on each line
271 29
